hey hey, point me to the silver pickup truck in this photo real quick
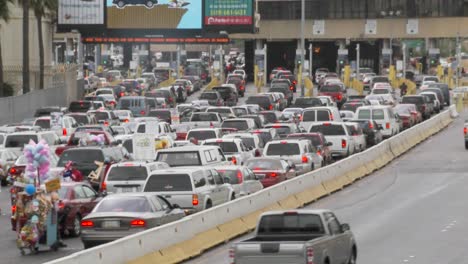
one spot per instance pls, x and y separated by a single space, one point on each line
297 236
205 120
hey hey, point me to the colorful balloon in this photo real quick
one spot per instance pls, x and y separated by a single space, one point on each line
30 189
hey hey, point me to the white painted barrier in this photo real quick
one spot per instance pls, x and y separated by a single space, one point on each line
160 238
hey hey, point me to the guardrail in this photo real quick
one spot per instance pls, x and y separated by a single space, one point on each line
192 235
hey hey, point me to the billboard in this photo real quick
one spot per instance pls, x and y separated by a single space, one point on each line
81 12
154 14
233 16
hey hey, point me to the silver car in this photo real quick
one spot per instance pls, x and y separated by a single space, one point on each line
242 179
120 215
193 188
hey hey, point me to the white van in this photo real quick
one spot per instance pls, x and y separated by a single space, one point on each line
319 114
383 115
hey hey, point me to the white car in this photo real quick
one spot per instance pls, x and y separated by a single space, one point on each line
240 72
233 148
425 84
66 127
434 98
346 115
360 143
385 93
107 91
241 178
338 134
327 100
383 115
125 116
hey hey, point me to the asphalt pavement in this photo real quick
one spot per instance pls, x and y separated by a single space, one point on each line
412 211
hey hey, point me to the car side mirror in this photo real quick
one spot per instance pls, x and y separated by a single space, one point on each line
175 206
345 227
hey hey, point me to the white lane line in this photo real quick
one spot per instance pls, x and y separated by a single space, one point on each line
444 230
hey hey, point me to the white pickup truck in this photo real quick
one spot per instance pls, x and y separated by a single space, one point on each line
298 236
233 148
192 156
205 120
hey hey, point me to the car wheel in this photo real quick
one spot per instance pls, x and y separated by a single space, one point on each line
149 4
352 258
76 230
120 3
4 182
466 145
233 197
208 204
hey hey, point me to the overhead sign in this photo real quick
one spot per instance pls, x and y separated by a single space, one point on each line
144 147
233 16
81 12
412 26
319 27
158 40
154 14
371 27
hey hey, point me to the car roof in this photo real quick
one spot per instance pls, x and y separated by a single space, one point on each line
177 170
216 140
374 107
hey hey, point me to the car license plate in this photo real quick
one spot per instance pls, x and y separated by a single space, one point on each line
110 224
127 190
261 176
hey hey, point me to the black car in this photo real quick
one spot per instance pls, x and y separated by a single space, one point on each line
372 130
284 89
161 114
351 106
228 93
304 102
263 101
214 98
123 3
239 82
270 116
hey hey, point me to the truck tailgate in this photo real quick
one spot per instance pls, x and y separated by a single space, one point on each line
270 253
183 199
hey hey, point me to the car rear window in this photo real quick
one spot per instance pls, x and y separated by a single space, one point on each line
231 174
308 116
201 135
131 173
264 164
202 117
309 102
331 89
81 119
258 100
240 111
176 159
283 149
82 106
237 124
18 141
43 123
378 114
270 117
209 96
101 116
227 147
316 141
160 114
168 183
291 224
329 130
282 130
351 106
124 204
364 114
81 156
380 91
323 115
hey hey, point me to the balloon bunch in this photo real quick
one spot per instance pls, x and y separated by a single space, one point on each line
37 156
98 139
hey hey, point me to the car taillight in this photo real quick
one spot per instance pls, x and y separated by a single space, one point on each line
339 97
232 256
61 205
126 121
319 152
13 171
423 108
371 125
64 132
13 209
291 88
387 125
87 223
257 153
103 186
142 112
106 123
343 143
234 160
241 88
273 174
218 103
194 200
211 125
138 223
122 94
294 82
310 255
239 177
270 107
465 130
170 99
305 159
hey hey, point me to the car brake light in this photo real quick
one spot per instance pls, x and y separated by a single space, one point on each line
170 99
423 107
465 130
239 177
13 209
257 153
326 124
103 186
332 117
339 97
387 125
61 205
138 223
234 160
371 125
211 125
305 159
142 112
319 152
106 123
291 87
270 107
310 255
273 174
64 131
343 143
194 200
126 121
13 171
241 88
283 142
87 223
294 82
122 94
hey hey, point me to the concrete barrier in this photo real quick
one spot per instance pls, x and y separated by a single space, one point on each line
192 235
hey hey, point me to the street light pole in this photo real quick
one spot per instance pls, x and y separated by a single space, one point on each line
404 60
358 56
302 44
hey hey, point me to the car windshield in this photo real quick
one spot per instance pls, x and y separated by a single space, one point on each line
237 124
264 164
301 224
201 134
309 102
227 147
168 183
328 129
412 100
81 119
124 204
81 106
81 156
380 91
43 123
203 117
175 159
130 173
283 149
209 96
101 116
330 89
18 141
233 175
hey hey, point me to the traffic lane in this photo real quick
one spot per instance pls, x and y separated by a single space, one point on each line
411 211
10 254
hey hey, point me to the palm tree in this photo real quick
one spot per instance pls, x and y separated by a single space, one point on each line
42 8
25 5
5 16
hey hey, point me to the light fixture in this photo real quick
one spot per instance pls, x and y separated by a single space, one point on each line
383 13
390 13
398 13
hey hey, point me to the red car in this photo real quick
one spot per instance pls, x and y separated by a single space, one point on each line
408 114
336 92
77 200
271 171
319 142
75 140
